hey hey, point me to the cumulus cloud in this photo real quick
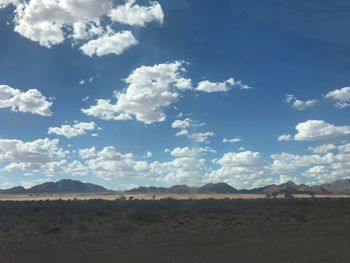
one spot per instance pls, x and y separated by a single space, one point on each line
187 167
322 149
51 22
47 21
341 96
135 15
320 168
70 131
109 164
38 151
76 168
316 171
299 104
29 101
113 43
209 87
316 130
248 169
240 169
87 153
288 162
150 90
39 156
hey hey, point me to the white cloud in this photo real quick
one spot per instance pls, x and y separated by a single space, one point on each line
231 140
46 21
321 167
76 168
341 96
39 156
284 137
186 151
51 22
322 149
87 153
287 162
207 86
244 169
71 131
240 169
112 43
187 167
186 127
201 136
29 101
135 15
299 104
150 90
38 151
314 130
183 124
110 164
315 171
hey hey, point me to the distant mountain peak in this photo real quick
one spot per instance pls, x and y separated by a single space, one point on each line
62 186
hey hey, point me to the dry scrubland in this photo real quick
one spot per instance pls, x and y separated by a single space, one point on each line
168 230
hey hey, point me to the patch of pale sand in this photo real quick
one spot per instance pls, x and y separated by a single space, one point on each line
148 196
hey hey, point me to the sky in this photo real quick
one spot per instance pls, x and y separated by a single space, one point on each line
131 93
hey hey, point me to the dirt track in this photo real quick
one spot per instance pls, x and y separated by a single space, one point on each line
176 231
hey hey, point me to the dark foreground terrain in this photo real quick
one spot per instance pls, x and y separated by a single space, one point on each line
275 230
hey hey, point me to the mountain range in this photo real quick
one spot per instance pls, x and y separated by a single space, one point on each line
73 186
337 187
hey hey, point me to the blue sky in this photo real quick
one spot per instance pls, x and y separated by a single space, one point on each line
243 92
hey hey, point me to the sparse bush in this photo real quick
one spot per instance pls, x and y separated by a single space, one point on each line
289 196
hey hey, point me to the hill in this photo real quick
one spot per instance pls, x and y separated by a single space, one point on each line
63 186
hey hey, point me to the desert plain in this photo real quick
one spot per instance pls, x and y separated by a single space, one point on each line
136 228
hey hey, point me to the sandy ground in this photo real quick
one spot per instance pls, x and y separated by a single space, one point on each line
111 197
223 230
